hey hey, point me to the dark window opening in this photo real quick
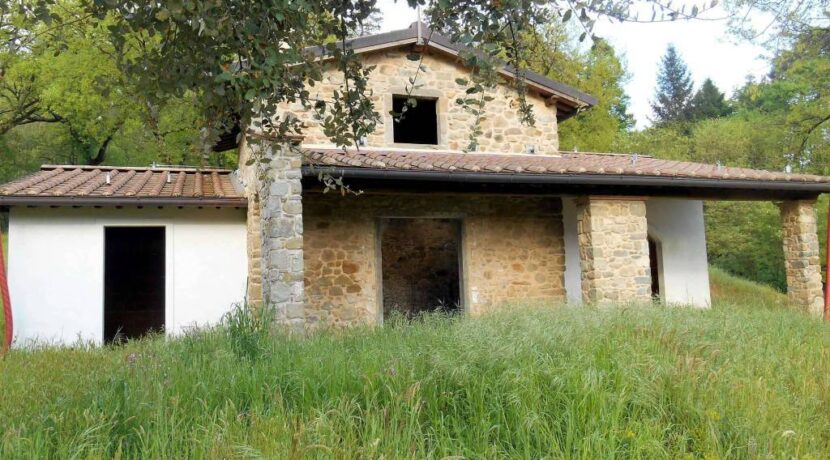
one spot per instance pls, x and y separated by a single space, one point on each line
654 265
133 282
417 124
420 266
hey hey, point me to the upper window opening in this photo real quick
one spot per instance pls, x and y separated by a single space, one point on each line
419 122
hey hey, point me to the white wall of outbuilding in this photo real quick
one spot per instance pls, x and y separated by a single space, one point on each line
56 268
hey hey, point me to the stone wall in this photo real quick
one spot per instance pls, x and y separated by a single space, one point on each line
248 178
801 255
253 292
613 250
502 130
512 250
515 258
275 232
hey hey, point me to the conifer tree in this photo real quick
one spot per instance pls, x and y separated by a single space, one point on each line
674 90
708 102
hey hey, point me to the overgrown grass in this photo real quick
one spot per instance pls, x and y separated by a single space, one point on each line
728 288
733 381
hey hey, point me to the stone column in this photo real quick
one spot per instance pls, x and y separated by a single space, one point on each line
254 224
613 250
801 255
248 178
282 236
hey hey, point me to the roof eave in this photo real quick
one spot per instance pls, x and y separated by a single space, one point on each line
106 201
759 188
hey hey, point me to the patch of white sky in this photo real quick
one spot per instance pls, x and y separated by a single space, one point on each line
704 44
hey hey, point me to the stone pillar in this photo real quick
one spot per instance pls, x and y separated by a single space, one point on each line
254 224
248 178
801 255
613 250
282 235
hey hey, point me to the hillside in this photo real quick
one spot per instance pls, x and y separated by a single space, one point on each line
747 380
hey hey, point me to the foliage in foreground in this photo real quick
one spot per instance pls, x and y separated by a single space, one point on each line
646 382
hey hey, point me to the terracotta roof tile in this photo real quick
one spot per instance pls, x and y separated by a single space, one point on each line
570 163
103 184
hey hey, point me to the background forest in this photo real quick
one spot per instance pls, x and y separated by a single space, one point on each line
64 99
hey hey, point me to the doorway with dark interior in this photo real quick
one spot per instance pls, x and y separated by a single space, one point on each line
420 266
655 267
134 282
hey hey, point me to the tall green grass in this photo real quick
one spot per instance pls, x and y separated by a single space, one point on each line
733 381
728 288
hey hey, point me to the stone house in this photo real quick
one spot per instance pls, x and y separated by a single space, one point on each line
517 221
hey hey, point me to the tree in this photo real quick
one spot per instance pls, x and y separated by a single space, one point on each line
602 75
69 78
598 71
674 90
776 22
795 97
246 57
708 102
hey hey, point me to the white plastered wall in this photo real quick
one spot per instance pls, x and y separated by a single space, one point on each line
678 226
56 268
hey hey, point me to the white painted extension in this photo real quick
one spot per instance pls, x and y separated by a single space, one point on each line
56 268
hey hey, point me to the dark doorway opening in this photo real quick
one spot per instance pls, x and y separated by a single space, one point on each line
134 259
415 124
654 265
420 266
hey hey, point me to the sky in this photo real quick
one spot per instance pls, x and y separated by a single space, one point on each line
704 45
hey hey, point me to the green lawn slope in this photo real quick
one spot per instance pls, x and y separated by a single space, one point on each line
730 289
740 380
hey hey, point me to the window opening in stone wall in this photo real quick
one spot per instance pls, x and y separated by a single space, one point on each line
654 265
418 124
420 266
134 274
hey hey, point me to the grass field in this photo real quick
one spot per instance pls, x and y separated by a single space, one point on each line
735 381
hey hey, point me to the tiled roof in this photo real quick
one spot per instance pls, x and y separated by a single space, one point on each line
565 163
87 185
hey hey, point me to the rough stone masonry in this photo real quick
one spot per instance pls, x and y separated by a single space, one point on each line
613 249
282 236
801 255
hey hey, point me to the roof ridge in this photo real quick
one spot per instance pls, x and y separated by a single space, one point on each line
608 154
48 167
410 151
